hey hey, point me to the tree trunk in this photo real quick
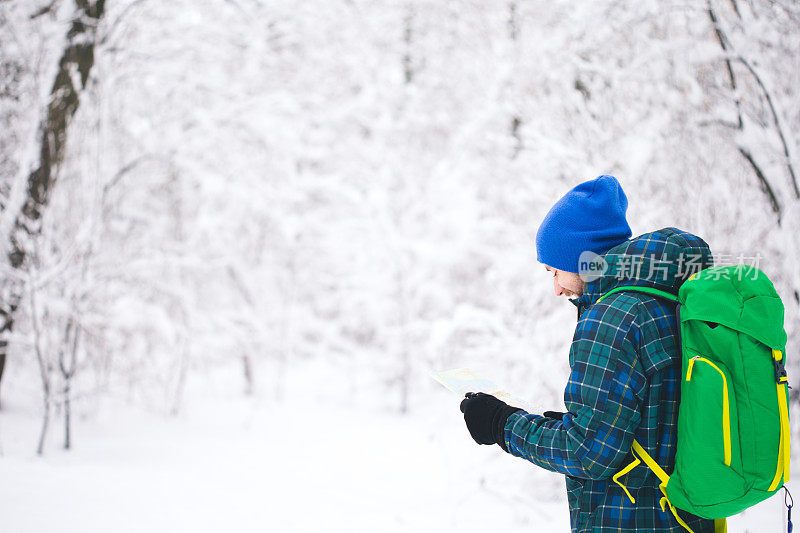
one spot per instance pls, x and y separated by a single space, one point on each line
78 57
67 416
69 348
45 424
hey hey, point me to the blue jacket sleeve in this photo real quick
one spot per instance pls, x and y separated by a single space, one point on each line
603 397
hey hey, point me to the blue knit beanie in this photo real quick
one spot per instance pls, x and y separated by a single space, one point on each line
590 217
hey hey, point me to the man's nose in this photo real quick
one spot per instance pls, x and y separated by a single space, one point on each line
557 288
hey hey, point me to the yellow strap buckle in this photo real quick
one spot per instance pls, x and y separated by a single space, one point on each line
782 467
780 369
665 501
624 471
639 455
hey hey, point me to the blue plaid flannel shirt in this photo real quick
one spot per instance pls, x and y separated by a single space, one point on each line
624 384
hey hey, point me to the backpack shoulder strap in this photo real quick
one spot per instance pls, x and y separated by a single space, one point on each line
649 290
664 295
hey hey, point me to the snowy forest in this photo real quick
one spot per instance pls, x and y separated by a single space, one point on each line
239 235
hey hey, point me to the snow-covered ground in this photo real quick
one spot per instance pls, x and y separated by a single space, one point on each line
237 464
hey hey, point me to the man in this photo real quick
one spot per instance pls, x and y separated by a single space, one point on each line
624 358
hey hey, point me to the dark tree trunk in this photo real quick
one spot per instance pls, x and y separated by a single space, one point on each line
64 101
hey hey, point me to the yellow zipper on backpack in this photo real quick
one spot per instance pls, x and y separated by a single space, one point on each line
726 413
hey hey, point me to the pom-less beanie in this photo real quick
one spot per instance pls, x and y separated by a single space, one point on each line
590 217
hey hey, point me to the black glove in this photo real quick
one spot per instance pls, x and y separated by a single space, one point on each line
486 418
555 415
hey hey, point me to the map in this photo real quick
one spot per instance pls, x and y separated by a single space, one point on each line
464 380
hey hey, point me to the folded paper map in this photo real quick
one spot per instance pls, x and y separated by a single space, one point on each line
464 380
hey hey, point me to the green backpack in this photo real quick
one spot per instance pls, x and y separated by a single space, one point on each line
733 419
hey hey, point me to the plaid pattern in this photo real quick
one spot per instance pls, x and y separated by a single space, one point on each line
624 384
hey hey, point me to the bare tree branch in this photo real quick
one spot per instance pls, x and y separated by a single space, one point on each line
44 366
765 186
719 122
736 9
727 49
408 35
722 40
116 22
44 10
513 26
768 96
